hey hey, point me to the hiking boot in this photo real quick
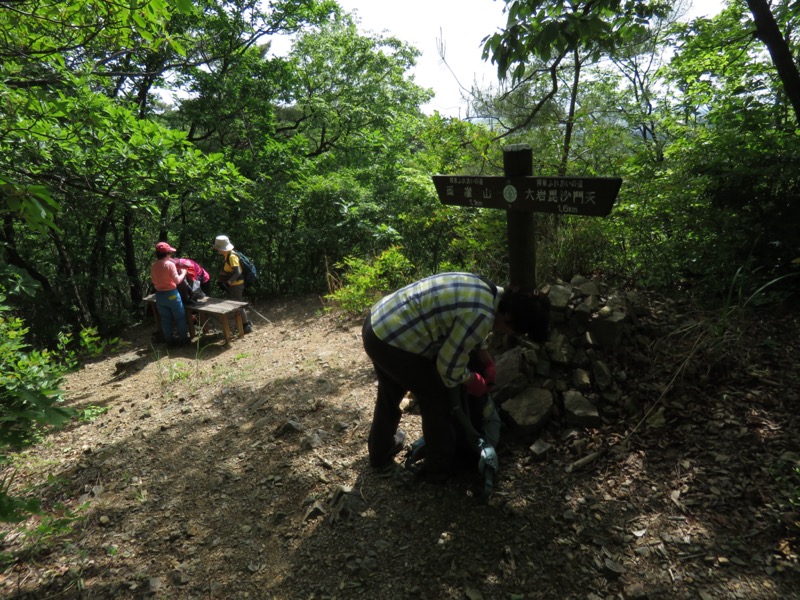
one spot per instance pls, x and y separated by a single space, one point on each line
385 461
248 327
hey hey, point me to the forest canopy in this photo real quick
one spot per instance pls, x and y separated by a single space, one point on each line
155 120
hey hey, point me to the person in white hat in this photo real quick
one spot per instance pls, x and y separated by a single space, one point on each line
166 278
231 276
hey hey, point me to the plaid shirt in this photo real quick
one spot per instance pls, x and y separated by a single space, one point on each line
443 317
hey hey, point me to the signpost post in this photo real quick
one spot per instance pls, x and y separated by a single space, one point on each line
521 195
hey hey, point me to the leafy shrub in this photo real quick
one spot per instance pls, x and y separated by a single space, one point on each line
30 394
362 282
29 385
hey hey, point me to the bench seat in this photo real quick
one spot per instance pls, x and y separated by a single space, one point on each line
220 307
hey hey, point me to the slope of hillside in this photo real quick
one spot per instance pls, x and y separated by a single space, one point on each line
240 471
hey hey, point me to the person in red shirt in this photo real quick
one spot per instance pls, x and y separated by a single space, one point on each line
166 277
197 283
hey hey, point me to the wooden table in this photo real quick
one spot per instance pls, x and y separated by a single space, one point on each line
208 306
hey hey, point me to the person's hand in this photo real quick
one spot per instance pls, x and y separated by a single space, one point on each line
476 386
490 373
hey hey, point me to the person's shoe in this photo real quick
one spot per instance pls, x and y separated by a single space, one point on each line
248 327
386 461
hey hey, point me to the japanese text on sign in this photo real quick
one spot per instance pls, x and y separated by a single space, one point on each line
568 195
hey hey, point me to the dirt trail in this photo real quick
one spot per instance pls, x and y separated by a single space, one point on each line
239 471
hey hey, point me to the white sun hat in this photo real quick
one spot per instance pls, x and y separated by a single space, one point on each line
222 243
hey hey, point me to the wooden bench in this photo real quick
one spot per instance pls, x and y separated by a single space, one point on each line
205 308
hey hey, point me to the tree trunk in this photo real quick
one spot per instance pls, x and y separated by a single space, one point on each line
770 34
570 125
129 259
94 300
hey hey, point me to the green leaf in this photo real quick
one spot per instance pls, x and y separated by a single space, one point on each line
185 6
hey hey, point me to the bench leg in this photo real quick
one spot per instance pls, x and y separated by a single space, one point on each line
226 329
203 322
239 323
156 316
190 322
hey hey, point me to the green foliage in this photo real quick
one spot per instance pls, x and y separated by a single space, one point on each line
91 413
551 29
29 385
322 155
362 283
14 509
31 399
48 529
571 246
480 243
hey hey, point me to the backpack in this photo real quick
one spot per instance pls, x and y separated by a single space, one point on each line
249 269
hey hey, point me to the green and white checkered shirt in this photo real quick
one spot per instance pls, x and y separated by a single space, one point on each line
444 316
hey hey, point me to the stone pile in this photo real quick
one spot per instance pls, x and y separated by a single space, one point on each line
567 378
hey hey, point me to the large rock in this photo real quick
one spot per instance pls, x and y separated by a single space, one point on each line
511 376
559 349
607 327
559 297
529 411
602 375
509 364
579 411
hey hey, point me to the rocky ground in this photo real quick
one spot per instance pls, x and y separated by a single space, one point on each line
240 471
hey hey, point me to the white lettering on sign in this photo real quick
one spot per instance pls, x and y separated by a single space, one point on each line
567 195
557 195
466 180
559 183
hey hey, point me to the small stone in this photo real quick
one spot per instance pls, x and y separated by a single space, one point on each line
540 449
473 594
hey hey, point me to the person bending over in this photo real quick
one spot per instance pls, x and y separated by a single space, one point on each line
419 339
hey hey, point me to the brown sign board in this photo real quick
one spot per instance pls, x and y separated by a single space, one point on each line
589 196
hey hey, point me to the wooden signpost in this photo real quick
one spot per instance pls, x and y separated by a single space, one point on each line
521 195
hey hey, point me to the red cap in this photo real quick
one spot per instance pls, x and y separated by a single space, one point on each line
164 248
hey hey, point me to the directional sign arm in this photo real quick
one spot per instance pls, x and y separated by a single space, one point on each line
589 196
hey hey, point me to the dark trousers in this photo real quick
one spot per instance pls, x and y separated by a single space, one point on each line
236 292
398 372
